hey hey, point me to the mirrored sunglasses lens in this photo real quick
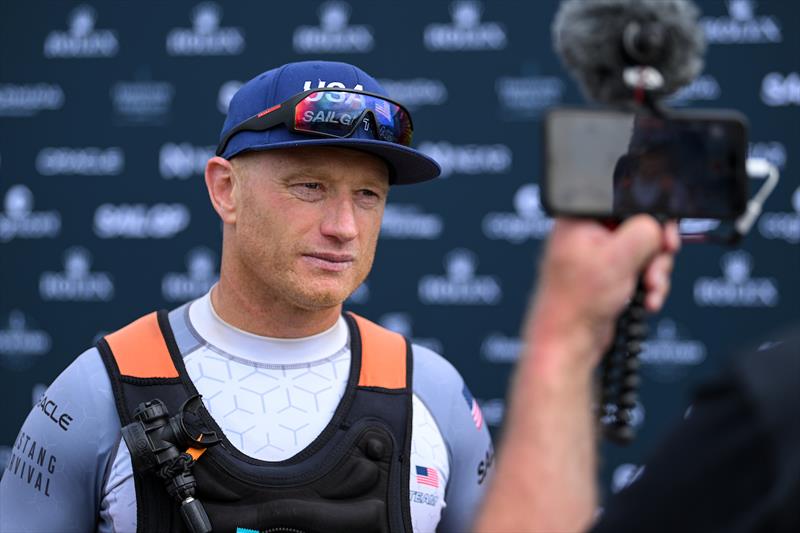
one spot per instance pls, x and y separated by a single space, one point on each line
336 112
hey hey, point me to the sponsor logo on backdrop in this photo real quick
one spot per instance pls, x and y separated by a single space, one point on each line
742 25
780 90
19 221
736 288
784 226
201 274
360 296
404 221
704 88
469 158
140 221
26 100
142 102
82 39
225 94
493 409
402 323
772 151
77 283
527 97
206 37
625 475
21 342
499 348
417 92
669 354
460 285
183 160
334 34
466 31
529 221
89 161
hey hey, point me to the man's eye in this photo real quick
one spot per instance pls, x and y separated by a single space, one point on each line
308 190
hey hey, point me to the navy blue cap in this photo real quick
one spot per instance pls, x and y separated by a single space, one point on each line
278 85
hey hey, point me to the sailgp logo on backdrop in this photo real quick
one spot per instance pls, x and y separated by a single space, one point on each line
670 354
18 220
741 26
469 158
736 288
140 221
705 88
21 344
183 160
76 283
402 323
499 348
403 221
460 286
89 161
466 32
82 39
527 97
779 90
416 92
784 226
142 102
529 221
334 33
200 276
25 100
206 37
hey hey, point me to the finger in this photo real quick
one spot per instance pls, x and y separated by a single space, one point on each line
657 281
637 240
672 237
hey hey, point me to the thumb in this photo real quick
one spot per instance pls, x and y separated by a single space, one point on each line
637 241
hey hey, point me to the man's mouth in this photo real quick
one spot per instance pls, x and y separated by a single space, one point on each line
332 262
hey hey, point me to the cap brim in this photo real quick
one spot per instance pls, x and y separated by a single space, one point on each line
406 164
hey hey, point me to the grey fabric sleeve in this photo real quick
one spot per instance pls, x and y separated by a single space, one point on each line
469 445
55 476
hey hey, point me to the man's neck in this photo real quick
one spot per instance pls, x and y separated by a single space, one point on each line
267 316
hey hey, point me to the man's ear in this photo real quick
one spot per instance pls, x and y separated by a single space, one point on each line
221 183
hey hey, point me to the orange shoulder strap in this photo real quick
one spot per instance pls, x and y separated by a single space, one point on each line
141 351
383 356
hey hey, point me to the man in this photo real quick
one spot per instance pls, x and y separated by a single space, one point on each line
326 421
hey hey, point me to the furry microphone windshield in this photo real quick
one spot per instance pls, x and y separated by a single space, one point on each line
599 39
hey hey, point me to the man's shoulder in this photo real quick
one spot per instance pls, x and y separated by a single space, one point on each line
433 370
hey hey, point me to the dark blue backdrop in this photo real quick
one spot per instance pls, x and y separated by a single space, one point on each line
108 112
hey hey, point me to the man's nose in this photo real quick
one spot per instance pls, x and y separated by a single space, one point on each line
340 219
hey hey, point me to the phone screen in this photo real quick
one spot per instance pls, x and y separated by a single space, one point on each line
616 163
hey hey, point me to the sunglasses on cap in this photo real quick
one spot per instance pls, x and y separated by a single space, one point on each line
332 113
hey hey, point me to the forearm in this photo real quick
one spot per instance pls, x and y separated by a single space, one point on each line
546 464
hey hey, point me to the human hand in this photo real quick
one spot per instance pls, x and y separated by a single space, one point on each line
586 278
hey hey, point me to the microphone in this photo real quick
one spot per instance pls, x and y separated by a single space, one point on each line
613 47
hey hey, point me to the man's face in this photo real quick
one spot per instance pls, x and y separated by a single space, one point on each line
307 222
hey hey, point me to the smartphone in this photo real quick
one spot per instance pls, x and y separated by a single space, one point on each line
612 163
